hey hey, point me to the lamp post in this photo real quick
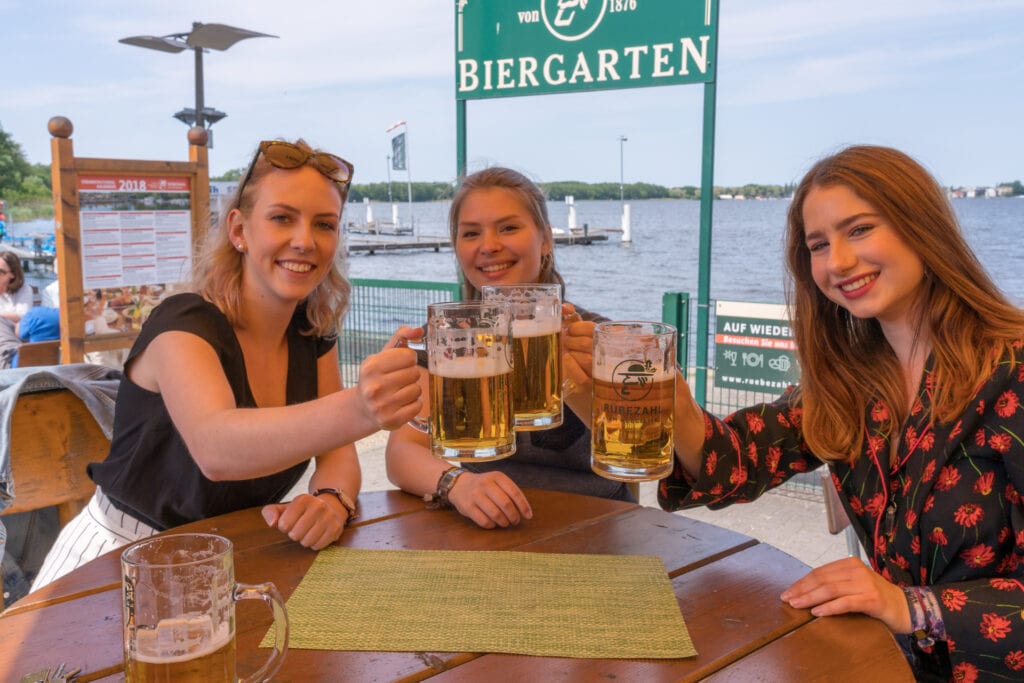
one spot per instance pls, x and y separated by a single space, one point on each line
622 185
201 37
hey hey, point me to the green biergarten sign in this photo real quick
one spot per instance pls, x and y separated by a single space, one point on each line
509 48
754 347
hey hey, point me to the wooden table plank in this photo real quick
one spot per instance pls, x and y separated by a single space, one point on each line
682 543
89 636
730 606
812 648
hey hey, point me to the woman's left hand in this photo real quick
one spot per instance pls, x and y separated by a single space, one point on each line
849 585
313 521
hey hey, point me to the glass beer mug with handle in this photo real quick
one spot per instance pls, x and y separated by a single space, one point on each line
470 366
179 596
536 352
634 376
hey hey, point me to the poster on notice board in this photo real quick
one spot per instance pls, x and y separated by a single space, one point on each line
136 246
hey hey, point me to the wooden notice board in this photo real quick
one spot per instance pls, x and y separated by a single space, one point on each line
127 232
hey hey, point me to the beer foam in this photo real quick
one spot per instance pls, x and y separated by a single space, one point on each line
535 327
469 367
180 640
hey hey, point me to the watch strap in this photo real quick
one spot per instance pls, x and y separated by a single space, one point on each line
439 498
343 498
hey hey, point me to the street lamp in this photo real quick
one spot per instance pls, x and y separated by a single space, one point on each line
201 37
622 186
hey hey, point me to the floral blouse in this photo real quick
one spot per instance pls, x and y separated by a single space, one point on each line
948 515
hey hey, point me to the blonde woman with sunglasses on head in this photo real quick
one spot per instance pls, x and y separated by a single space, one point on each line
231 389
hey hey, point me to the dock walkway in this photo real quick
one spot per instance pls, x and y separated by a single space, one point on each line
356 243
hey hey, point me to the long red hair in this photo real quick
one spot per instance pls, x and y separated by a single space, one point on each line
846 361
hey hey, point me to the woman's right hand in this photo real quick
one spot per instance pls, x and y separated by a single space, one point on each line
389 382
490 499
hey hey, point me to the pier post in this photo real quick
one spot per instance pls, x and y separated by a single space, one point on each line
369 212
627 232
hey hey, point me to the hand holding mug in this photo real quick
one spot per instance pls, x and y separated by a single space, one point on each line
389 382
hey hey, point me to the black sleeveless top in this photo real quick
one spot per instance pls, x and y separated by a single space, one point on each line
149 473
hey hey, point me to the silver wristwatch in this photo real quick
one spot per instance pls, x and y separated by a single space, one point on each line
439 498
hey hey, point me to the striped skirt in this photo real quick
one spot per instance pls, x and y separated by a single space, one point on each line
97 529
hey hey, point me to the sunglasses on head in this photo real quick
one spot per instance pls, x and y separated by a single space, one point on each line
285 155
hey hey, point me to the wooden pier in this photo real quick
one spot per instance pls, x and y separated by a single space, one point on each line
439 243
31 259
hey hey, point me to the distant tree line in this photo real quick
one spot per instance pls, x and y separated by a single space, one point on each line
1016 188
25 187
555 191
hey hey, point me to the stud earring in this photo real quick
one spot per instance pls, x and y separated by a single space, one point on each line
239 247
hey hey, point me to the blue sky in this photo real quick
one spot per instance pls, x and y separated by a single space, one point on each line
940 79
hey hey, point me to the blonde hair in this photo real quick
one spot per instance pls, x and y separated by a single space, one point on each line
532 199
846 361
217 273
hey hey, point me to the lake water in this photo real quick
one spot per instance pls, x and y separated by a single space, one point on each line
627 280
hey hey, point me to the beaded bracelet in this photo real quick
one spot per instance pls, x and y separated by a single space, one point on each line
926 621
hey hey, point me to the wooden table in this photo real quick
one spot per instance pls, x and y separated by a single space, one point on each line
728 587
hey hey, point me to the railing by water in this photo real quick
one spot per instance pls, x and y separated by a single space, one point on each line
376 309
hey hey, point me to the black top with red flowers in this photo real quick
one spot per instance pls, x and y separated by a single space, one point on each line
948 514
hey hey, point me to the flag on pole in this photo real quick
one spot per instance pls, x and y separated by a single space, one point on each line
396 125
398 152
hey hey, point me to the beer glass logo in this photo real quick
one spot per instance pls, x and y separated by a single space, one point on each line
633 379
572 19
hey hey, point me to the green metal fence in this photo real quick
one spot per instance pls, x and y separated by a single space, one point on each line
377 309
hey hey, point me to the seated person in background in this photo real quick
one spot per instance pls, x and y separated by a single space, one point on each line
501 235
39 324
50 296
231 389
15 295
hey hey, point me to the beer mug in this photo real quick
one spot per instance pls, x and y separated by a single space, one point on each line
536 352
179 596
469 358
634 400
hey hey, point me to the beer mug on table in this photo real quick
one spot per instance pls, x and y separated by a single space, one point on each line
178 600
536 352
469 358
634 376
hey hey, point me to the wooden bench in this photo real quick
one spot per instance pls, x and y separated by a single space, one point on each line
39 353
53 438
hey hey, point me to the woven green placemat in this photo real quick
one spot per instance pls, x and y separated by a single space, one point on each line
554 605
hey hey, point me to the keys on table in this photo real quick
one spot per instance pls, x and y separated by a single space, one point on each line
59 675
